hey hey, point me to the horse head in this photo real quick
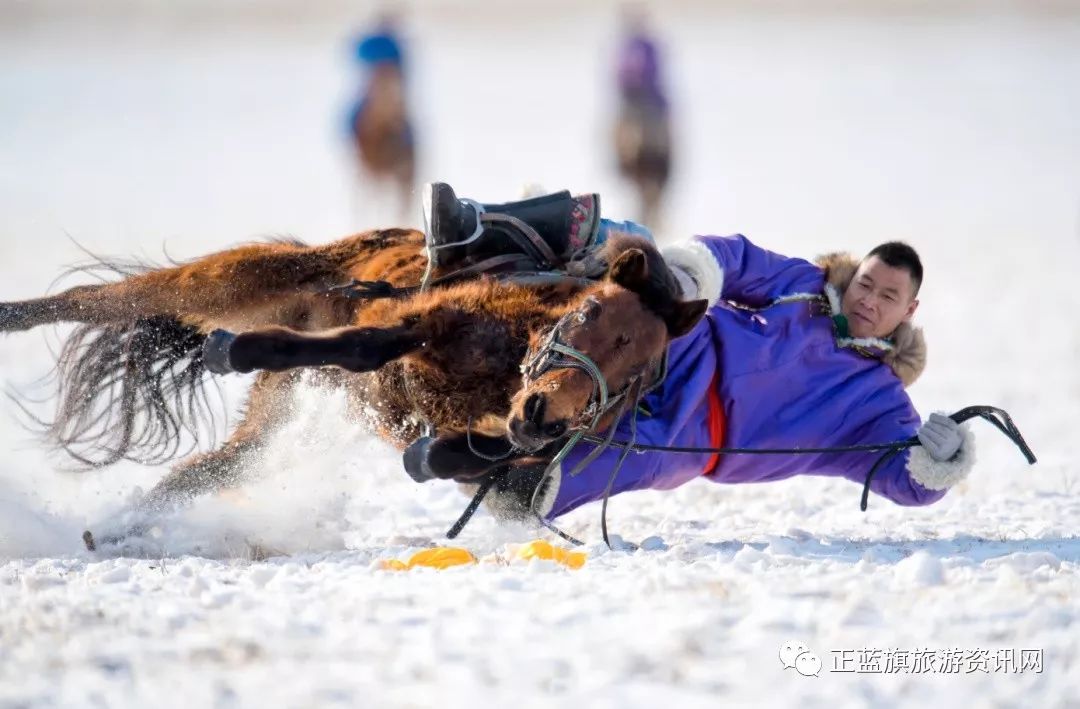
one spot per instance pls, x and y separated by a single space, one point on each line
607 348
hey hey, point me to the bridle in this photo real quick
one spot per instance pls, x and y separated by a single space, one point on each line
554 353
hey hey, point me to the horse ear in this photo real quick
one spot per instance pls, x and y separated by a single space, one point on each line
684 316
630 270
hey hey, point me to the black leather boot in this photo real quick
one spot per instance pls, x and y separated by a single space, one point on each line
550 229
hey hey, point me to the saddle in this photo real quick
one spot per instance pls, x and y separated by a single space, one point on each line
534 265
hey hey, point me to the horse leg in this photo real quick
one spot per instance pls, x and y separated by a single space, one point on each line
467 457
357 349
515 487
206 289
457 456
650 191
229 466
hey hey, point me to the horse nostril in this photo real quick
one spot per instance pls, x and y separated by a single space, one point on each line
555 430
534 409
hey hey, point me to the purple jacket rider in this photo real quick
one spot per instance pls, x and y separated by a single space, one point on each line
765 369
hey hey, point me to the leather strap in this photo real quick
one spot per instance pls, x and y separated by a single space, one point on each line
525 236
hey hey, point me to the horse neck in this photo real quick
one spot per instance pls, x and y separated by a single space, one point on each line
536 311
385 88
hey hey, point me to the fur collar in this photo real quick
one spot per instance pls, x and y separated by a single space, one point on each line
907 354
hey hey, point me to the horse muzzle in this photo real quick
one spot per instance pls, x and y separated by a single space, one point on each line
529 432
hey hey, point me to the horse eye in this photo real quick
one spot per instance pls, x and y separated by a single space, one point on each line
622 340
592 309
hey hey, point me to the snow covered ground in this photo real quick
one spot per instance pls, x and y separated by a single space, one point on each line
164 125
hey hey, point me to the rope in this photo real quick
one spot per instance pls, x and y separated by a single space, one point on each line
619 463
485 486
998 417
1006 426
647 447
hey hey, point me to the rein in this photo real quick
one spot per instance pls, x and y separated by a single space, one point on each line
996 416
555 354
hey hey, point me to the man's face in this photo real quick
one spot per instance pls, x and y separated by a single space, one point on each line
879 298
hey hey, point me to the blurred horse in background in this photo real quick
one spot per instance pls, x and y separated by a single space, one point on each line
379 125
643 128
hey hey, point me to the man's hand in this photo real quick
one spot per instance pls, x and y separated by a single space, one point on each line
941 437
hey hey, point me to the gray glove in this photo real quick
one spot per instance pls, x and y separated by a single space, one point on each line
941 437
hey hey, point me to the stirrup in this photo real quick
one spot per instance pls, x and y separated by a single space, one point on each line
430 247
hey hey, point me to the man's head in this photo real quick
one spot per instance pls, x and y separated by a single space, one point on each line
883 292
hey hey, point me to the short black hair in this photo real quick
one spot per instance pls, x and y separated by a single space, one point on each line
900 255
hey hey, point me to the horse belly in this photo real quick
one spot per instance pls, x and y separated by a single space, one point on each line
305 312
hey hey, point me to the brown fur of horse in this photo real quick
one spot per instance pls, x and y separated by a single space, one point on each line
450 355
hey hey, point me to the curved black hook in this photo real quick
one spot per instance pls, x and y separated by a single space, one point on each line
1004 424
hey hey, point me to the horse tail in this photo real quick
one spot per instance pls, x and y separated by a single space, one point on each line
131 390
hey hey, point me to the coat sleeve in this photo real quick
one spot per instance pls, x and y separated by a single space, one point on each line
910 478
734 268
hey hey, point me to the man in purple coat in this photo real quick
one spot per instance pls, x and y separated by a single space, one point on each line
791 354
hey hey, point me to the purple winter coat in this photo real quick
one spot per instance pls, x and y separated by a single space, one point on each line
783 381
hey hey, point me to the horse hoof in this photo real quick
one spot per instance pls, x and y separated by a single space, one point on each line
415 459
114 539
12 317
216 351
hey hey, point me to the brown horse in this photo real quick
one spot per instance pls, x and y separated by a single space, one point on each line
449 357
382 133
642 137
642 132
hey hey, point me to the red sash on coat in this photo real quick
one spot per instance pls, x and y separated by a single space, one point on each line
717 424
